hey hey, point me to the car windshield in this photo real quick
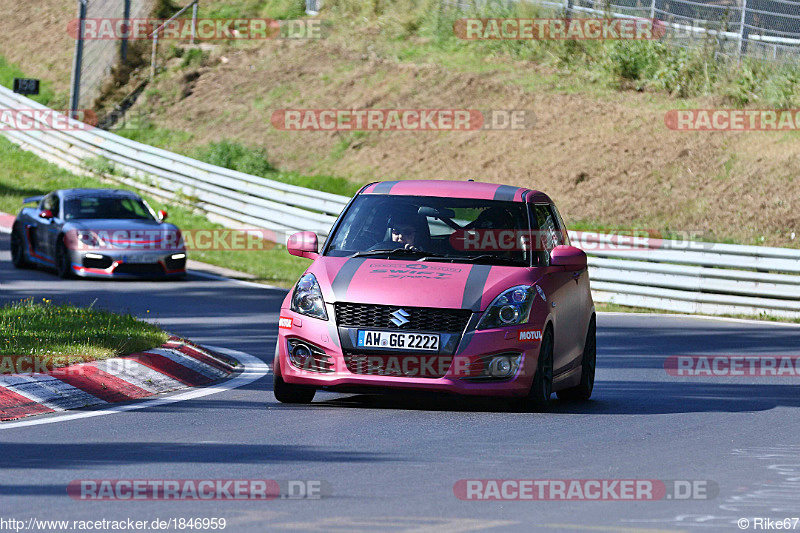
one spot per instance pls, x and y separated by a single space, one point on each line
113 207
434 229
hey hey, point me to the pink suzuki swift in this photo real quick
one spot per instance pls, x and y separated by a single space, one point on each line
461 287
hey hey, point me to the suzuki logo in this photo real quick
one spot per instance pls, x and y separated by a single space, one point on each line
399 318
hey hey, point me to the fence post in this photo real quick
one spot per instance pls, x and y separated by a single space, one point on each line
743 33
653 10
194 22
153 56
77 63
123 47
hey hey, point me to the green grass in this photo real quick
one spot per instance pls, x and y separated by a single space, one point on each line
236 156
8 72
603 307
27 175
72 334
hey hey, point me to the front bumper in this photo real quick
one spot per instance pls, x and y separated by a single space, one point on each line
457 373
127 263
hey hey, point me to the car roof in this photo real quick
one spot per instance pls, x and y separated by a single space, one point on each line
455 189
80 193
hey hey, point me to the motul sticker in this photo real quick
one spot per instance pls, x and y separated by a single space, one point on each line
285 322
527 335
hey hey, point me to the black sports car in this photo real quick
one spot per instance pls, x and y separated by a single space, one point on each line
101 233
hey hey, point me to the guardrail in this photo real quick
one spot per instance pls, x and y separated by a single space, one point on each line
226 195
706 278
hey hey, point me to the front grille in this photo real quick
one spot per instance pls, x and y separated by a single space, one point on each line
102 263
175 264
144 269
399 365
352 315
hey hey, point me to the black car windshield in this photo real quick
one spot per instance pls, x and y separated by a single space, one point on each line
426 228
106 207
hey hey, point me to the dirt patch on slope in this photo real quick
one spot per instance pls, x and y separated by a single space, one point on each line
34 35
603 159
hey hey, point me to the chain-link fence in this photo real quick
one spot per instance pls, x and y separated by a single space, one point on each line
100 55
762 29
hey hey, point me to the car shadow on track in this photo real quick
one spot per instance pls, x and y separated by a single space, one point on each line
610 398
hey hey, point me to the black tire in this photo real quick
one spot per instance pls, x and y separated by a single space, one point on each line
289 393
583 391
538 399
18 249
63 263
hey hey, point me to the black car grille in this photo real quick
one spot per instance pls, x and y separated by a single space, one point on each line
146 269
93 262
175 264
421 318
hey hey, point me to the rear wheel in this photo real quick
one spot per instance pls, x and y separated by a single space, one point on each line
63 263
538 398
18 248
583 391
290 393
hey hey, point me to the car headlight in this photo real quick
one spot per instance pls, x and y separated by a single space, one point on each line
89 239
307 298
511 308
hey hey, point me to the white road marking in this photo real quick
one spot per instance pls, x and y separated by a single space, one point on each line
137 374
190 363
49 391
253 370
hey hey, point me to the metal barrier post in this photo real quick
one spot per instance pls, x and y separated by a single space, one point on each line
77 63
194 23
742 33
153 56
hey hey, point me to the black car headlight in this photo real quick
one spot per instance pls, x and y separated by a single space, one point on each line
307 298
511 308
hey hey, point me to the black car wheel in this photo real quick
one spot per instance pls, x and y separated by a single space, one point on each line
538 398
583 391
63 263
18 248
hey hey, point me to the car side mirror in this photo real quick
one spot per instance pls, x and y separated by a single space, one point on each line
46 214
162 215
303 244
569 257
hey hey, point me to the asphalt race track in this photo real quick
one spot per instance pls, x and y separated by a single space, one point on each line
391 462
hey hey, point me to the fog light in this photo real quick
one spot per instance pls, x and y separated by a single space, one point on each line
501 367
300 354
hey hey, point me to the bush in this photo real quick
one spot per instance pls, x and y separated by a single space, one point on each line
237 157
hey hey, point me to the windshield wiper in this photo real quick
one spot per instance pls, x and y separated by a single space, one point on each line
393 251
484 258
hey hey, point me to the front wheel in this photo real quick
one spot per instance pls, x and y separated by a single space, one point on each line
18 249
538 399
289 393
63 262
583 391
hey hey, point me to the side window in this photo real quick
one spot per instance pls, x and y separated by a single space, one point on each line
50 202
561 226
548 235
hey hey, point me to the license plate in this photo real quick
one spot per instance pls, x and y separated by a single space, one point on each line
398 341
141 259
